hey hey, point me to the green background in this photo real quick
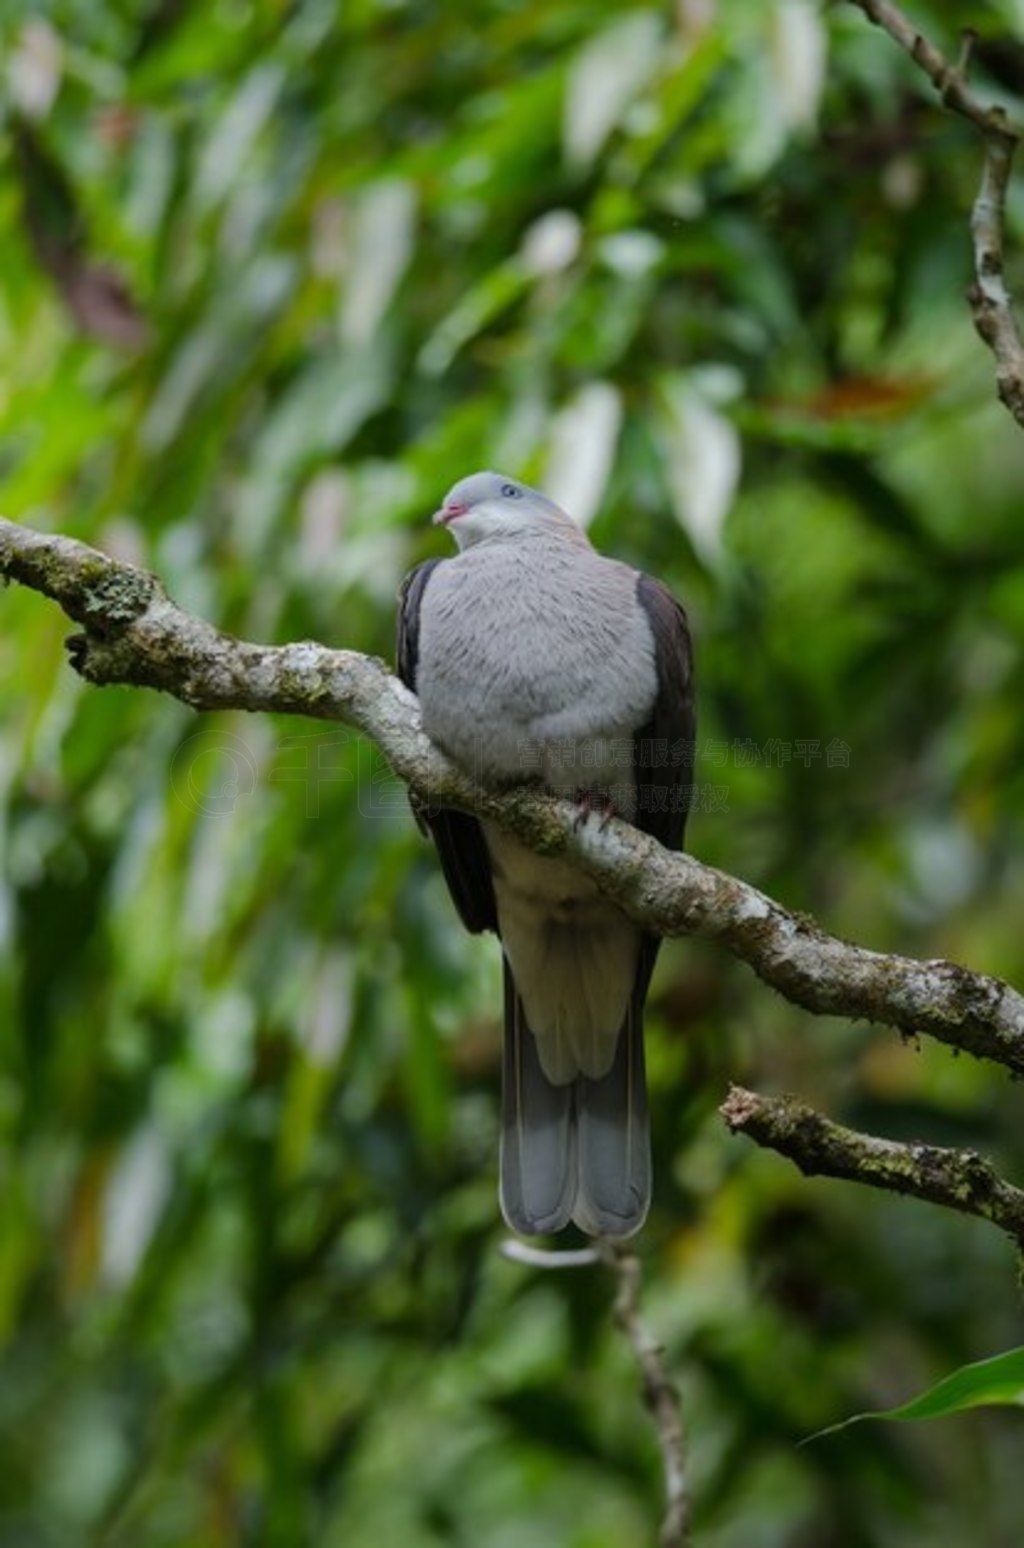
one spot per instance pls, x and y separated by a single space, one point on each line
272 277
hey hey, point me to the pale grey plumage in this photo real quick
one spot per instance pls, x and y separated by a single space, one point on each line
536 660
534 657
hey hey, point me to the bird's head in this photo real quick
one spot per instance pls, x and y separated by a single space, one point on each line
489 505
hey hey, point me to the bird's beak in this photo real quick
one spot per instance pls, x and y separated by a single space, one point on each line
448 513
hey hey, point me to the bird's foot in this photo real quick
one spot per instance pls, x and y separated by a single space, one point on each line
592 803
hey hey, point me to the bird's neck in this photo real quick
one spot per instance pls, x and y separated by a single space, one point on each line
549 539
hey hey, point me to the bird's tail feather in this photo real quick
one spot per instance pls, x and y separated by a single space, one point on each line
578 1151
613 1146
538 1134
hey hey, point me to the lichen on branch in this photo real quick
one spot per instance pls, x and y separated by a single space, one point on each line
957 1179
134 633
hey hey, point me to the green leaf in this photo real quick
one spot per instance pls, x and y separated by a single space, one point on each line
999 1380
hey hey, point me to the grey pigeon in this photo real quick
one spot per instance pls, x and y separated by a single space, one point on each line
536 658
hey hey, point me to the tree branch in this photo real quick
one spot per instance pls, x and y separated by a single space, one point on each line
135 634
990 300
660 1393
957 1179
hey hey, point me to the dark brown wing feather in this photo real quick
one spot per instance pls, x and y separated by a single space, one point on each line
460 843
664 747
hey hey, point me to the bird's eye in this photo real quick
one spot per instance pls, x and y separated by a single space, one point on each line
511 491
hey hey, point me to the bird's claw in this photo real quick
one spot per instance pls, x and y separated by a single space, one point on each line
589 802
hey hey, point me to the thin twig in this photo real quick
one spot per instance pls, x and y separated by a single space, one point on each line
539 1257
989 296
661 1395
956 1179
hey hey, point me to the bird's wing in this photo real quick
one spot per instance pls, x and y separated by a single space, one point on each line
459 839
664 746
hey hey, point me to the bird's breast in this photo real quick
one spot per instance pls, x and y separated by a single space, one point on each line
528 658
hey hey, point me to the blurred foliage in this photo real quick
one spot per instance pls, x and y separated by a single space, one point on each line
274 276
